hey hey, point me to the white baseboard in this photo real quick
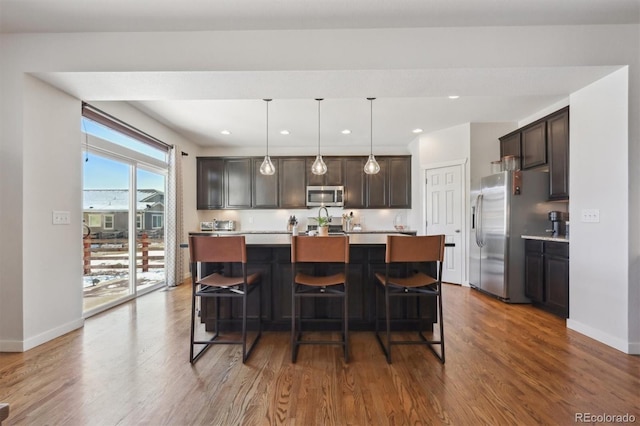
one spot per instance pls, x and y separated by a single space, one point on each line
48 335
607 339
11 346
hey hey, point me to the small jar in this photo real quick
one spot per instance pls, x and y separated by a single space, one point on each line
496 167
510 162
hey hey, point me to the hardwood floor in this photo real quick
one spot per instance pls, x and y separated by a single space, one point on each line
506 364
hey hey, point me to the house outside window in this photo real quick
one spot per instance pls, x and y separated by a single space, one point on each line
139 221
156 221
108 221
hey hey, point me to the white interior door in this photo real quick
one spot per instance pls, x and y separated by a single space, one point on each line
444 207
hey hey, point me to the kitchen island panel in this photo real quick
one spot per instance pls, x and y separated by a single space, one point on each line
270 255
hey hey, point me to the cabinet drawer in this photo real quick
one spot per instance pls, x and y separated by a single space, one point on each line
557 249
533 246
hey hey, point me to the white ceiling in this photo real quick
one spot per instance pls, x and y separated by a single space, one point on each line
200 105
194 15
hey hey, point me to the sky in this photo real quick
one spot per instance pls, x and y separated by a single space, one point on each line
104 173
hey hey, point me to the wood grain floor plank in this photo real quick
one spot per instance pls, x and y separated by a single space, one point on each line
506 364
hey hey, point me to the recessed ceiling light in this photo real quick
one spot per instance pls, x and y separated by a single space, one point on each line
226 132
284 132
417 130
453 96
346 132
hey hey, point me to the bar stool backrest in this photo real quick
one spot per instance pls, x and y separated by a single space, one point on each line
423 248
320 249
217 249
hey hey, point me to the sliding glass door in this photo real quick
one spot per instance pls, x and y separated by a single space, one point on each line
106 216
150 218
124 212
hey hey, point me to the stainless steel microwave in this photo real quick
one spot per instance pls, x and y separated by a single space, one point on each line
328 196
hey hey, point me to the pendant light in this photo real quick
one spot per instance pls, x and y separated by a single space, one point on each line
372 167
267 168
318 167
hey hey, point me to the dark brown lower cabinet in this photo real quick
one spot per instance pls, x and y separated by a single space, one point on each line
547 275
274 263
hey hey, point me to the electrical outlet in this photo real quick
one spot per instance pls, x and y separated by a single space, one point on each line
590 215
250 219
61 217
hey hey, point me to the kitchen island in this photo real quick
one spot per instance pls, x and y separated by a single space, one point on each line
270 254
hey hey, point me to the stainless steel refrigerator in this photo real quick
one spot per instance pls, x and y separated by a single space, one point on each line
506 206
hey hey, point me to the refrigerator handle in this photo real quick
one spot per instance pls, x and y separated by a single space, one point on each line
478 219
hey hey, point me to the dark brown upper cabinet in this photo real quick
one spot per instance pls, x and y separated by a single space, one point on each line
334 175
265 187
400 182
541 144
510 145
210 183
355 183
293 186
534 145
237 187
236 182
378 186
389 188
558 145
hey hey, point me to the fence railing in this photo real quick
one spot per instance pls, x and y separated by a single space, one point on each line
113 250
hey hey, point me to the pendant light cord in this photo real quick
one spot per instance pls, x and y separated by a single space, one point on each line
371 132
267 100
319 100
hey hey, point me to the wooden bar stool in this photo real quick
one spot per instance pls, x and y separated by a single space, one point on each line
230 249
318 250
411 250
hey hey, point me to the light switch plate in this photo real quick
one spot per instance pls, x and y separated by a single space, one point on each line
61 217
590 215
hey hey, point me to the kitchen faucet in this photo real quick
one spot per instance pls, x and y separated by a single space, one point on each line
326 221
325 211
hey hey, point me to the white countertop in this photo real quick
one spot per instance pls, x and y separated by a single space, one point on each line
560 239
284 239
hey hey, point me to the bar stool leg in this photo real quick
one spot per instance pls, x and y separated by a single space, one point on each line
388 320
193 320
244 322
293 324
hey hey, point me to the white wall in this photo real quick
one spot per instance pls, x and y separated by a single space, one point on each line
256 51
599 268
51 136
485 148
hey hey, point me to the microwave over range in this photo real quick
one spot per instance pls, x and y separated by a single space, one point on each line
327 196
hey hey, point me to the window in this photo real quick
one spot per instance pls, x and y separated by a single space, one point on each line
95 220
156 221
108 221
139 221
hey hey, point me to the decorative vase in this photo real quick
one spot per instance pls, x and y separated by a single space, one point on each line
323 231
